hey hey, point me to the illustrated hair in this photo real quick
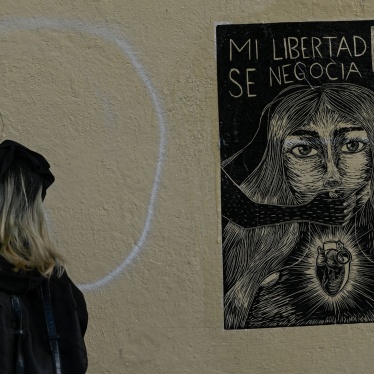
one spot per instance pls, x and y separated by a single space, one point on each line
24 237
251 255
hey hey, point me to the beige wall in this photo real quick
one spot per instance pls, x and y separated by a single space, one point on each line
71 89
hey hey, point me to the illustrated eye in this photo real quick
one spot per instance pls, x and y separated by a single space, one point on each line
304 150
353 146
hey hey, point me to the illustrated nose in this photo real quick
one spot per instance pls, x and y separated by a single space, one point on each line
332 177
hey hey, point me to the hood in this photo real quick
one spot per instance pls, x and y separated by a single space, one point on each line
17 282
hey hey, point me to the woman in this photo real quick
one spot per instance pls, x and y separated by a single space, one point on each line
320 140
43 314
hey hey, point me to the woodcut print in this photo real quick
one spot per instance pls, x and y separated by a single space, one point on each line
296 112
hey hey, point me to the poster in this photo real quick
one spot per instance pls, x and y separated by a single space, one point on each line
296 121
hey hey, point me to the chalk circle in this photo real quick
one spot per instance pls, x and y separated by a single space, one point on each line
110 36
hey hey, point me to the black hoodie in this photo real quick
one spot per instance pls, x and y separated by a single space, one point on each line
70 315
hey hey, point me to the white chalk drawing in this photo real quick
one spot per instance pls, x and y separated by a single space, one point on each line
115 38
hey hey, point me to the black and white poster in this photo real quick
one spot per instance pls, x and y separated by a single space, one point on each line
296 120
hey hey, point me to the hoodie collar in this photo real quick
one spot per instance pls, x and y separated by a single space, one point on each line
19 282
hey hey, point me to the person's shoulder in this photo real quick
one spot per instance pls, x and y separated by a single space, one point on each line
66 280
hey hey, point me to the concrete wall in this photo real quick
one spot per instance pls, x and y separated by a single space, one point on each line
121 98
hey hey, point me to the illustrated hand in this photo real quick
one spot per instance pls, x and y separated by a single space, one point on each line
331 211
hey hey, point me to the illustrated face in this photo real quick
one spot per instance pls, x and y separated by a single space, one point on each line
328 156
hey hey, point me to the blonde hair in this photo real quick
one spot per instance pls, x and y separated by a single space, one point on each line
24 237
